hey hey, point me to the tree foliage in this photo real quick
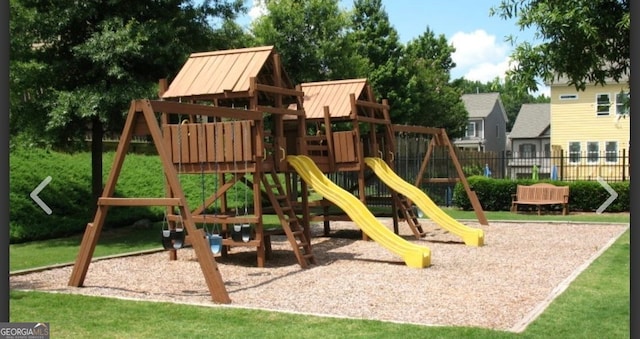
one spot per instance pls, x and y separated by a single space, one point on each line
311 37
585 41
78 64
83 60
431 99
377 41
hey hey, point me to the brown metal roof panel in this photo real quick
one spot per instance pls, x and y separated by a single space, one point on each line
312 104
201 70
223 72
259 58
318 98
213 72
327 93
237 72
337 99
334 82
212 78
181 82
234 51
334 94
344 105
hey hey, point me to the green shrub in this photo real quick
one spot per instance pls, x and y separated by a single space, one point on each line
65 194
69 193
493 194
588 196
496 194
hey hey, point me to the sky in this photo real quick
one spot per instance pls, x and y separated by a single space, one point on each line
482 53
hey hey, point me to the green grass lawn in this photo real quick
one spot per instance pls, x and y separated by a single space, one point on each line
596 305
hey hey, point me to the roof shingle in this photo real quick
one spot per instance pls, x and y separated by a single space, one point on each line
532 121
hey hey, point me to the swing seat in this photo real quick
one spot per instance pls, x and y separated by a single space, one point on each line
236 232
173 239
246 232
167 243
178 237
215 242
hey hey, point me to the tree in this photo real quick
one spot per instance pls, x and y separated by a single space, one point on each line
79 64
378 43
586 41
311 37
431 99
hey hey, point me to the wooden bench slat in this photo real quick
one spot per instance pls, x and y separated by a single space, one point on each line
541 194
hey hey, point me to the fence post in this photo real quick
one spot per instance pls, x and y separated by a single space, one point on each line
561 165
624 165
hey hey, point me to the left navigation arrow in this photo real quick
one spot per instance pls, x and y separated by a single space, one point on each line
36 198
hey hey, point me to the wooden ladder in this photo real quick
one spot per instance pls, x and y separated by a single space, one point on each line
290 222
408 213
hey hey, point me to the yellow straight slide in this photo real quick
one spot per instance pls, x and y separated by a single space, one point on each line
471 236
413 255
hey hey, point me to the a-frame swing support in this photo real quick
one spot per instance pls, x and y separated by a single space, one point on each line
440 138
141 119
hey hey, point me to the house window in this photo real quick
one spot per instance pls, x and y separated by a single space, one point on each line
527 150
568 97
622 103
602 104
574 152
611 151
593 150
471 129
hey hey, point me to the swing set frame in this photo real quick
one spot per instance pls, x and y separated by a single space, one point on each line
272 126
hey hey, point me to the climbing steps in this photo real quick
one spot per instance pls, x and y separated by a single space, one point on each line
290 222
408 212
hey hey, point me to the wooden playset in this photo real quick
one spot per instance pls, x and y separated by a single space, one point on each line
236 115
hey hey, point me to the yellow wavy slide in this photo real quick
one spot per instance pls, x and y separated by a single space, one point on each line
471 236
413 255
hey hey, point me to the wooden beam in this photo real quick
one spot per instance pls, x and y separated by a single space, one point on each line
379 121
138 201
473 198
200 245
278 90
281 111
205 110
93 229
371 104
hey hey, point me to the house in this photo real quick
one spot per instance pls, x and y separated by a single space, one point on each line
487 125
591 130
530 141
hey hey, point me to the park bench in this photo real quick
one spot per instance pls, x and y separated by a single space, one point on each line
541 194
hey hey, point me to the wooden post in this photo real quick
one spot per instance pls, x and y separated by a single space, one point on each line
473 198
141 109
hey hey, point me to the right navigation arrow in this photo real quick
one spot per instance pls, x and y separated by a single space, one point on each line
613 195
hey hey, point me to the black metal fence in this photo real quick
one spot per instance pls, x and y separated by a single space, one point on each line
610 166
557 165
411 150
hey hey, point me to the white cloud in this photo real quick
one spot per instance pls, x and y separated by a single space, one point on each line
478 56
487 71
258 9
477 47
